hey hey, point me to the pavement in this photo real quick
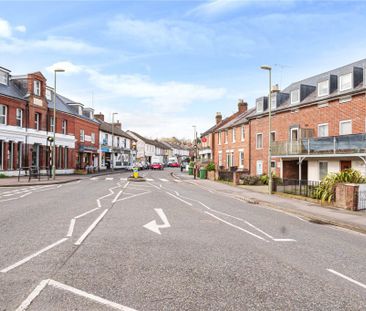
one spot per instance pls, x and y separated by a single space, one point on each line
310 211
103 243
44 180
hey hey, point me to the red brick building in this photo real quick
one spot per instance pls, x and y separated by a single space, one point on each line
318 127
26 123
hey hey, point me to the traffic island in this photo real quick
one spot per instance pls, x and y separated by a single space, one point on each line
136 179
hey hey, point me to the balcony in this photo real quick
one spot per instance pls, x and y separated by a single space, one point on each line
345 144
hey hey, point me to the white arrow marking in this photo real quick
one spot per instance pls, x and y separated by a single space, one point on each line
153 226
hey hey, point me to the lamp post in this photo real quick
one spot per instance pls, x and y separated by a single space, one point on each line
195 151
54 125
269 69
112 164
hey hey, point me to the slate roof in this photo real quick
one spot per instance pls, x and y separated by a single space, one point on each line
107 127
311 84
240 119
144 139
12 90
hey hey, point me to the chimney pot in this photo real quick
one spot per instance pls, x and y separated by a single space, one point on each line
99 116
218 117
242 106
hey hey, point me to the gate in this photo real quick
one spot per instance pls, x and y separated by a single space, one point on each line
361 198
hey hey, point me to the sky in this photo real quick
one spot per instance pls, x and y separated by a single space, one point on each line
165 66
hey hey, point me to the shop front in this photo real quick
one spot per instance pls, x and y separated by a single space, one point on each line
87 157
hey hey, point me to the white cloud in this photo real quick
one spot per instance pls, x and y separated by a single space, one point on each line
216 7
5 29
21 28
168 96
67 66
59 44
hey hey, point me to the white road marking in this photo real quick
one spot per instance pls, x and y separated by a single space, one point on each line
91 227
8 199
8 194
132 196
25 194
109 178
177 180
347 278
153 226
86 213
154 186
163 179
71 227
161 186
88 296
149 179
117 196
123 178
107 195
190 204
94 178
17 264
177 193
237 227
125 186
25 304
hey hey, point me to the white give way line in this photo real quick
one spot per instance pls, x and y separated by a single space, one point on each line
153 226
41 286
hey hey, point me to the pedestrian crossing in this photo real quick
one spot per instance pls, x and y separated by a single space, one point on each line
164 180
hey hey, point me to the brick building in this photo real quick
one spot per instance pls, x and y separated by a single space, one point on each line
26 122
318 127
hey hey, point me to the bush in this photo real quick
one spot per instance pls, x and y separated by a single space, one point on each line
326 189
210 167
3 175
265 179
191 164
249 180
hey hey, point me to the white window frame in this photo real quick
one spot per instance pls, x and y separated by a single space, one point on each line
226 134
292 96
342 122
340 82
52 124
327 132
92 138
220 158
319 168
64 127
37 121
256 167
48 94
256 141
241 158
82 135
37 87
3 78
273 101
19 117
219 138
260 106
242 132
5 114
234 135
321 88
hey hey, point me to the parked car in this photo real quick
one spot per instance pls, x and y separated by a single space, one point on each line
174 164
157 166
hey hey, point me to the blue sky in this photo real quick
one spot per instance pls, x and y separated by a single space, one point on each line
167 65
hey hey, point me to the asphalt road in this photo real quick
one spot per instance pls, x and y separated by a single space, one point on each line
166 244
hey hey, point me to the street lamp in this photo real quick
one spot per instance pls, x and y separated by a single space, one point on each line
195 153
113 139
54 125
269 69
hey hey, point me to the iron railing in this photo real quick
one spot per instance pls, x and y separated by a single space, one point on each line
355 143
301 187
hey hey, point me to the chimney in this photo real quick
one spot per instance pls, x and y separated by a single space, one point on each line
218 117
99 116
118 124
242 106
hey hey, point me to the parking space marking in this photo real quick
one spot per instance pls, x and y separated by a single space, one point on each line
347 278
86 213
71 227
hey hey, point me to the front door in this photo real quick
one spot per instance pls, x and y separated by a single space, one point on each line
35 155
294 137
345 165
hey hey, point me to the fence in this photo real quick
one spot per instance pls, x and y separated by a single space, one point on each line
361 201
299 187
34 172
226 176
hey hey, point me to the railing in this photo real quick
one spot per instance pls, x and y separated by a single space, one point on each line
33 172
226 176
299 187
355 143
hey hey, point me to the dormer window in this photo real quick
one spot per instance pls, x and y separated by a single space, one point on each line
259 106
273 101
295 96
49 94
4 77
345 82
323 88
37 87
80 110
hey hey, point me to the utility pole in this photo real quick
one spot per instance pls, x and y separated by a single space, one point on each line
195 151
112 153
